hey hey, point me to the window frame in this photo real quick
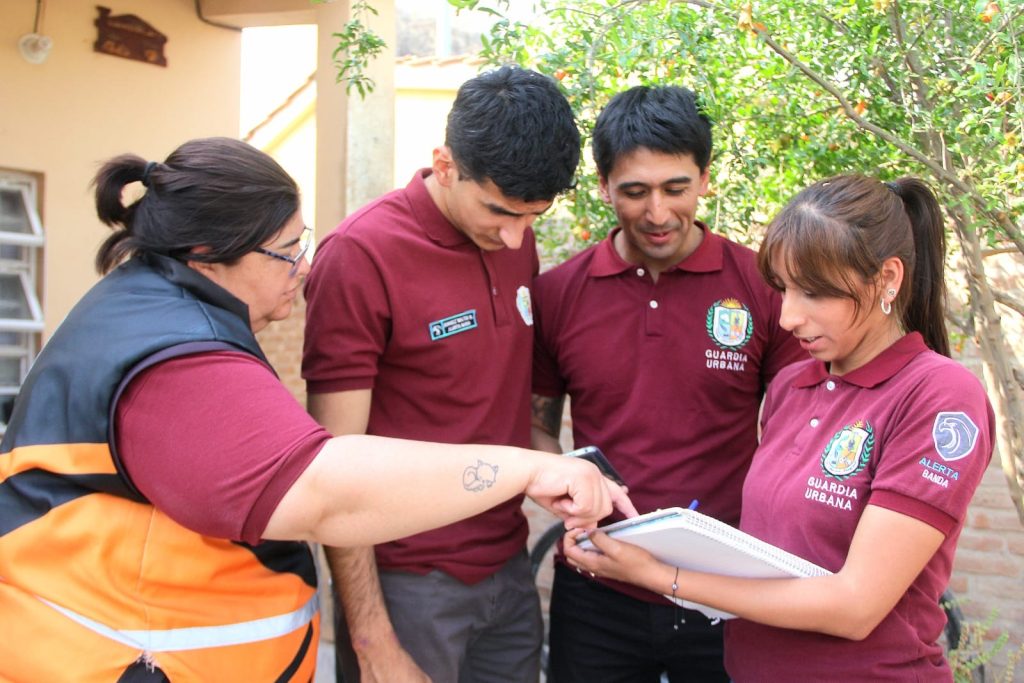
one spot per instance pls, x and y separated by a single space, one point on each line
26 267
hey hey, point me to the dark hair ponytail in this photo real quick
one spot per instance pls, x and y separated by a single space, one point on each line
110 182
218 193
925 310
852 224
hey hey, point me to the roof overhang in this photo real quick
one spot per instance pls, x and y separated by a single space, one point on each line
250 13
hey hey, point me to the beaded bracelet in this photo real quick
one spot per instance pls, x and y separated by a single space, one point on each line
675 587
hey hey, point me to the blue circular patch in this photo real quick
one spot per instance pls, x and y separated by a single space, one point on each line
954 435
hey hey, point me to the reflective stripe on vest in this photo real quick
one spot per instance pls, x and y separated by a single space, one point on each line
196 637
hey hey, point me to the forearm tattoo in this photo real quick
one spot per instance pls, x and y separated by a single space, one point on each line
479 476
547 413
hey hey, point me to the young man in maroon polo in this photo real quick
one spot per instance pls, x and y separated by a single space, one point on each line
419 325
665 336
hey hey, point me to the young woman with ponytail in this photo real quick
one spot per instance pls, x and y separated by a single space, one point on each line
870 453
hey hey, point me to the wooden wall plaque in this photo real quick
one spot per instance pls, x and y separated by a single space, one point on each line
125 35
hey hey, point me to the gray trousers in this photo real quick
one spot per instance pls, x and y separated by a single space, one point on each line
489 632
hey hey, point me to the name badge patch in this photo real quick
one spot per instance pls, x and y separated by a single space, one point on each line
453 324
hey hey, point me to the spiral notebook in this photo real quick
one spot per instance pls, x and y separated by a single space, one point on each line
690 540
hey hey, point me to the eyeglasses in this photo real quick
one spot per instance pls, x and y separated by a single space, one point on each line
305 242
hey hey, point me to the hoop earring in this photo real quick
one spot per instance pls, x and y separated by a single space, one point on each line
886 304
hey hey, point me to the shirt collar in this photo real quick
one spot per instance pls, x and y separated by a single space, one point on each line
874 372
435 225
707 258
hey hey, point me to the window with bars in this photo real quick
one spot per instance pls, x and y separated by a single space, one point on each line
21 316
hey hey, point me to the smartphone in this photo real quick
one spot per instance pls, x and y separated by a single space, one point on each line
594 455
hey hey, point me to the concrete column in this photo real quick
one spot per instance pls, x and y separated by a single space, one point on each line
371 121
331 121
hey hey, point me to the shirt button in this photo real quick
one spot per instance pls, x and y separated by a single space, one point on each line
830 385
815 422
640 272
494 291
654 304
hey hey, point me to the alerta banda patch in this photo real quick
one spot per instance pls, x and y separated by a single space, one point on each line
937 473
848 451
729 323
453 324
954 435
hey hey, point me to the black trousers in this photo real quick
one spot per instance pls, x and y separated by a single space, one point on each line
599 635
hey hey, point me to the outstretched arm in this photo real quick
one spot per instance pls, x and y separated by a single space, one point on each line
359 489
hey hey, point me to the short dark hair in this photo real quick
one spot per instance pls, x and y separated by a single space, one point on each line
834 236
218 193
665 119
514 127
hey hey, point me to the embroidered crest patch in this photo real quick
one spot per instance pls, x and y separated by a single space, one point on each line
453 324
524 304
848 451
954 435
729 323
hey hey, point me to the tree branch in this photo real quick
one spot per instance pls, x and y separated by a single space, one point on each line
939 169
920 88
1008 19
996 252
1013 303
826 85
961 324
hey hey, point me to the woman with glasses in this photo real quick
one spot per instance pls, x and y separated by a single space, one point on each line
157 481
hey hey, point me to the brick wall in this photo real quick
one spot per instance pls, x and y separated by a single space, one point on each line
282 343
988 571
989 567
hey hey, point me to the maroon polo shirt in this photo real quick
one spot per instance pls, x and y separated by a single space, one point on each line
214 440
665 377
400 302
912 432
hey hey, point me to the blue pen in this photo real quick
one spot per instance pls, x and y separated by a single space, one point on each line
693 504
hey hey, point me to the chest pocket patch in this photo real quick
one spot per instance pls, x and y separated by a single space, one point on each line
729 323
453 324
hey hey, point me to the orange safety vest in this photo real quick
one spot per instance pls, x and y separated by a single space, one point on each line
98 585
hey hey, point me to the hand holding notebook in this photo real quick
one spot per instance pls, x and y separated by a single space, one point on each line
690 540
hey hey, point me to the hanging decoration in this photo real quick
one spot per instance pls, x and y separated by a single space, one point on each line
125 35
